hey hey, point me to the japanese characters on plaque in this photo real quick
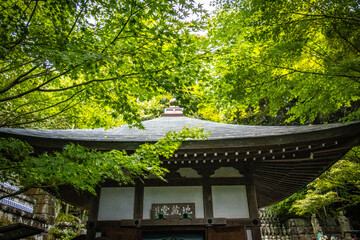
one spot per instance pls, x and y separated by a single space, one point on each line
172 210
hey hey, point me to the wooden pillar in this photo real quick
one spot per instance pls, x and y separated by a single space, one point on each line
93 216
139 200
253 207
207 198
207 191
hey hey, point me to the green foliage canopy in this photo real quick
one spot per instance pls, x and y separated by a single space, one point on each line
299 57
292 61
88 63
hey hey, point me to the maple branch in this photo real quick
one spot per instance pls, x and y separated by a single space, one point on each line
67 107
38 87
345 39
32 13
113 78
326 16
77 19
18 66
354 78
48 107
124 26
17 80
27 25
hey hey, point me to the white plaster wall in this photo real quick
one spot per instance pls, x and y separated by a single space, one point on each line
116 203
249 234
230 202
188 194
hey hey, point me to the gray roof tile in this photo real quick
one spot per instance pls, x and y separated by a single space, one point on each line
156 128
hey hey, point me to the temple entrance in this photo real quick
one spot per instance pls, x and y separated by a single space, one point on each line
173 236
210 233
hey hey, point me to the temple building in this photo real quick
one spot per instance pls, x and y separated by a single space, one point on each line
215 186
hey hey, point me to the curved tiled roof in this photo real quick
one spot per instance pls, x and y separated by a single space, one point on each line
156 128
281 159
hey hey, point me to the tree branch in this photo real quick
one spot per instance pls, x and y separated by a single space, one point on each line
117 36
261 84
327 56
38 87
46 71
326 16
354 78
32 13
123 27
76 20
84 84
300 20
108 79
27 7
18 66
16 80
27 25
67 107
345 39
48 107
20 106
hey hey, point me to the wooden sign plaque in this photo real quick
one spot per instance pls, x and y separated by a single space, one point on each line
172 210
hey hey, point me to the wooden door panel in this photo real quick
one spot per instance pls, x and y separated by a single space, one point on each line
228 233
123 234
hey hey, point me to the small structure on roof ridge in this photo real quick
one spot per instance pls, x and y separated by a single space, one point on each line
173 111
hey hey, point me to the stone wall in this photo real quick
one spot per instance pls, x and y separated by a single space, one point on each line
300 228
34 208
272 229
45 204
